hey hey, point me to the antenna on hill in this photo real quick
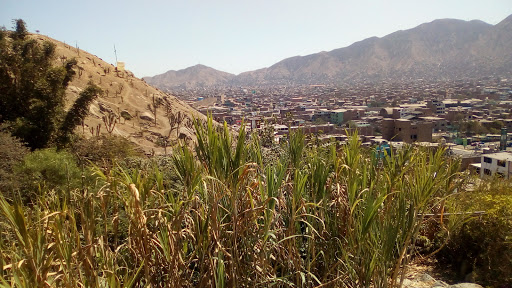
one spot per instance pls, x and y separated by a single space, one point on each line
115 53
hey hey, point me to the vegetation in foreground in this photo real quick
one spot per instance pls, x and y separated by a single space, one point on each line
217 216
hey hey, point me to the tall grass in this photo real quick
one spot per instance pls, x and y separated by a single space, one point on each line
318 217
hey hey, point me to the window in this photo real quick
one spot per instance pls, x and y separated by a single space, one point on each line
487 172
502 163
487 160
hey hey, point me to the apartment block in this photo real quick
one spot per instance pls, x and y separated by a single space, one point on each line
406 130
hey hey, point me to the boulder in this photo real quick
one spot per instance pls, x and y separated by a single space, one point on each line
465 285
154 133
104 108
147 116
424 280
126 115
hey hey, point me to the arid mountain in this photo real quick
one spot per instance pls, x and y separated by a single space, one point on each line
195 76
440 50
495 46
124 95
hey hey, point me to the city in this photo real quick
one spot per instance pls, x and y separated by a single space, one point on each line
466 116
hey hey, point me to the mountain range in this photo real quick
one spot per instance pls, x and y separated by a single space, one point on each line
444 49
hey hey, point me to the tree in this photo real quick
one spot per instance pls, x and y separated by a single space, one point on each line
471 128
32 89
266 134
153 107
175 120
12 152
21 29
77 113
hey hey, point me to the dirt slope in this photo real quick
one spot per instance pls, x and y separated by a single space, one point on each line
124 92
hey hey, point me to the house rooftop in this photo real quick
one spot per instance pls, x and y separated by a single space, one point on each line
432 118
500 156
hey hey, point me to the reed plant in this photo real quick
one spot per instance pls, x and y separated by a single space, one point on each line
320 216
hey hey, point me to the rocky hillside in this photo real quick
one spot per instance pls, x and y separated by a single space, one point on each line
128 102
440 50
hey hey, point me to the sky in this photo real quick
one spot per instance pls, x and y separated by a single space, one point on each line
154 36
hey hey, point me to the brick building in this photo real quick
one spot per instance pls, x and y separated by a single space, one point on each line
406 130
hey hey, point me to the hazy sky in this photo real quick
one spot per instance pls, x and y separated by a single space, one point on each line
229 35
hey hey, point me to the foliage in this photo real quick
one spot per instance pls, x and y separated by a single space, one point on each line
104 149
318 216
12 152
32 89
48 169
266 135
471 127
78 112
483 245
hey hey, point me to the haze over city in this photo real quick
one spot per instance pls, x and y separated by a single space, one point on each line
230 36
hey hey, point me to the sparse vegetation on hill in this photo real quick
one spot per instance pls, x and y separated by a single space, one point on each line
33 90
47 84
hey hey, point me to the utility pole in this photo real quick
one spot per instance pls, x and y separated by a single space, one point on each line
115 53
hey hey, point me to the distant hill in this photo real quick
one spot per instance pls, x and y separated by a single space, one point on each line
195 76
122 92
440 50
495 47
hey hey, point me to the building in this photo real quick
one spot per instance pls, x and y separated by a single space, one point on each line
438 124
322 114
280 129
437 106
337 116
496 164
406 130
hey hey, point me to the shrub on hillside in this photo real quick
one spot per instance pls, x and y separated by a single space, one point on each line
104 150
47 169
483 245
12 152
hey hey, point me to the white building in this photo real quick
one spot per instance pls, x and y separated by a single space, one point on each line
439 106
280 129
496 163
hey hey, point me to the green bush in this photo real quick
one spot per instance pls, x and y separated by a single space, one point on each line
47 169
482 246
104 150
12 152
